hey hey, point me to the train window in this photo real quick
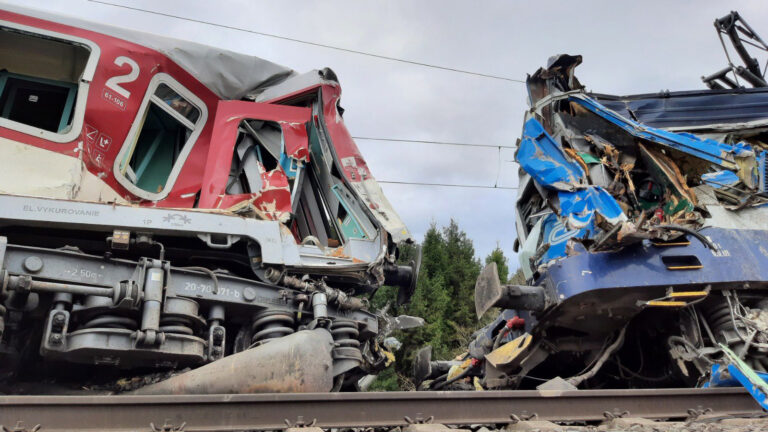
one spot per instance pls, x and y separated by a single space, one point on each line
170 120
347 213
44 80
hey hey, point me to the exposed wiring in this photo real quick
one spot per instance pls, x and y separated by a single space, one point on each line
697 324
497 340
746 322
209 272
602 348
708 243
536 378
623 369
708 330
576 380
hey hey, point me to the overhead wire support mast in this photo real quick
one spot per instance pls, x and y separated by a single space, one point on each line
275 36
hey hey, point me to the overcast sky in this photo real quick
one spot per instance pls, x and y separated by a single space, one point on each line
628 47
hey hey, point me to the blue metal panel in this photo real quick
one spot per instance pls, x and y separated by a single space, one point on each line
543 158
556 234
741 257
580 206
720 179
720 379
691 108
736 373
290 165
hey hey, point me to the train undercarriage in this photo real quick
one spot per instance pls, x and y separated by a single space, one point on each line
87 309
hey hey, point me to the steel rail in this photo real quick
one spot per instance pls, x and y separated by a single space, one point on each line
278 411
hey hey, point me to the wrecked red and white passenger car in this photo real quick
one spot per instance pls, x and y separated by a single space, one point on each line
166 205
642 228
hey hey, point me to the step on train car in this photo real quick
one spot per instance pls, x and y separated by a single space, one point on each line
171 213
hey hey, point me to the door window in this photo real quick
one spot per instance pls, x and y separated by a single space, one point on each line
157 146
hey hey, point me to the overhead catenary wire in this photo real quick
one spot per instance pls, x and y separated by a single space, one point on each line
498 168
446 185
498 173
433 142
306 42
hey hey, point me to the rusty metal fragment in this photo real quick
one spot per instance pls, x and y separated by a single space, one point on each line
297 363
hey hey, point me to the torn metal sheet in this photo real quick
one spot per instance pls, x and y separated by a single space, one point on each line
579 207
294 152
617 180
662 168
272 200
713 151
545 160
355 169
557 234
720 179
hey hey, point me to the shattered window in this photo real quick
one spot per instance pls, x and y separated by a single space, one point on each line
156 148
40 79
315 216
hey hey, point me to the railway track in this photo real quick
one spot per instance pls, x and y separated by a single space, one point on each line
358 410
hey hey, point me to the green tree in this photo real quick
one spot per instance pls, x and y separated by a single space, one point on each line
444 297
431 301
502 263
460 275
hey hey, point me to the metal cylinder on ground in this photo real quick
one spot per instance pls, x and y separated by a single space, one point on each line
297 363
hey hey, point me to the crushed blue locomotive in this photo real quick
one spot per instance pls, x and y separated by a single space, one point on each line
642 226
